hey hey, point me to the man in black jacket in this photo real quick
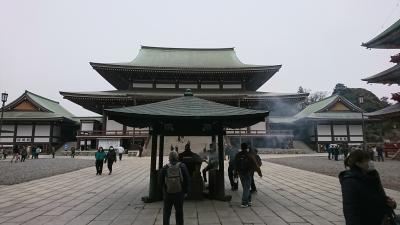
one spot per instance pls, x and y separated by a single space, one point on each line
176 198
111 158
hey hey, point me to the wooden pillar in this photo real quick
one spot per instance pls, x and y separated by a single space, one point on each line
153 159
161 153
154 191
104 127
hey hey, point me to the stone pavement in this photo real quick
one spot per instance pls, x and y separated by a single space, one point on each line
285 196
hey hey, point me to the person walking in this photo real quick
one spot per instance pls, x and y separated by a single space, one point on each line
121 151
364 199
73 151
111 158
15 154
255 157
336 152
100 155
379 150
4 153
33 152
176 183
24 153
231 168
245 165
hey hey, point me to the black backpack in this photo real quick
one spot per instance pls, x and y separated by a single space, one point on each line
243 163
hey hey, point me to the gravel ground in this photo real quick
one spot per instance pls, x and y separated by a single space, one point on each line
13 173
388 170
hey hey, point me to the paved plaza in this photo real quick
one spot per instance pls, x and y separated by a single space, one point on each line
285 196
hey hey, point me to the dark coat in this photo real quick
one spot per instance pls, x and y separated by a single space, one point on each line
364 199
111 156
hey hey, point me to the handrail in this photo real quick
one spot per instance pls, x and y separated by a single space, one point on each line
136 132
260 132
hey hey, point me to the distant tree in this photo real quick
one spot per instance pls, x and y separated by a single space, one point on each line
301 90
396 96
385 101
316 96
339 87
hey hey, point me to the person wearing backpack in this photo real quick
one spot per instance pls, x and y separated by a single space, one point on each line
176 183
245 165
255 157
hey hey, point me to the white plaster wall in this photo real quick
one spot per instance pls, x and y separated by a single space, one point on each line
8 128
210 86
87 126
143 85
360 139
6 139
37 140
42 130
355 129
113 125
258 126
339 130
323 129
24 130
192 86
106 143
232 86
165 85
324 139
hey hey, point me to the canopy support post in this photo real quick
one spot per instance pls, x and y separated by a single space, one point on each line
161 153
154 193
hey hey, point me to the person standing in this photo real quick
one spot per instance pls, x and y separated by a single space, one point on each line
100 155
33 152
244 167
53 151
379 150
24 153
232 152
141 150
4 153
336 152
328 148
364 199
121 151
111 158
38 151
176 183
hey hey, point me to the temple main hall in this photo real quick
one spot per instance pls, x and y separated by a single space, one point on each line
162 73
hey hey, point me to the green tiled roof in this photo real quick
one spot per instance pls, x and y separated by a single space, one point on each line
389 76
388 112
319 109
388 39
50 109
189 107
164 57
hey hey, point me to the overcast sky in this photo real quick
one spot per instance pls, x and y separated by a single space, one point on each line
46 46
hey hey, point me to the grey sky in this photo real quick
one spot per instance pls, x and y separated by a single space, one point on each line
46 46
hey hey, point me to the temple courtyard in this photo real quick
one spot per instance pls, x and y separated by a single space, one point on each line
285 196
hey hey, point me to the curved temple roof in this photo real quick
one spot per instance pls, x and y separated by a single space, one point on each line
388 39
194 58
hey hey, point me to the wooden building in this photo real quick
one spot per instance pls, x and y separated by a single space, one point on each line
32 120
388 39
159 74
332 120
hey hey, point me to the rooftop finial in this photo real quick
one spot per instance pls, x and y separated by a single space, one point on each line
188 92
